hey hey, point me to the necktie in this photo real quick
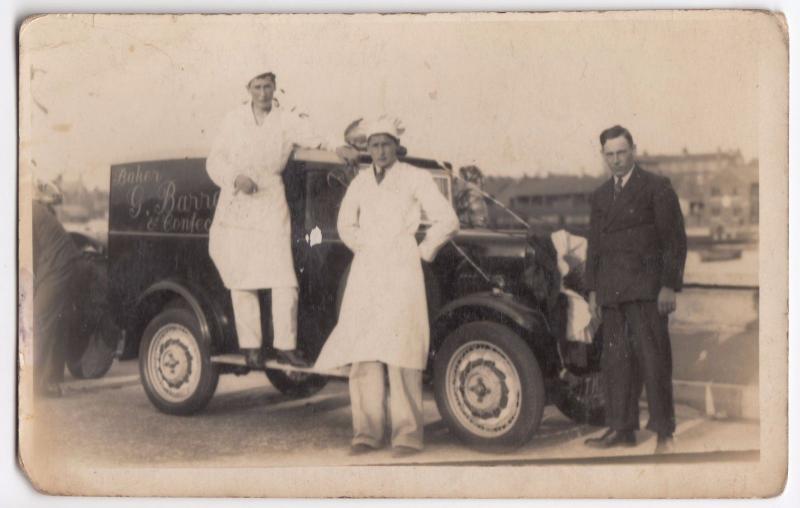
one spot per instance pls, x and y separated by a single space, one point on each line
379 174
617 187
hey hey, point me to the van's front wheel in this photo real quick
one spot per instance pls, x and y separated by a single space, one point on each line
175 363
489 388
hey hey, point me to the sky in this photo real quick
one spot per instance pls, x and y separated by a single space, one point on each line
514 94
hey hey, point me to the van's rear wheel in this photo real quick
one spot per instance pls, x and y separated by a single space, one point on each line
175 363
489 388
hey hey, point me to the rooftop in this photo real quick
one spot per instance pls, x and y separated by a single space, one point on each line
553 185
686 156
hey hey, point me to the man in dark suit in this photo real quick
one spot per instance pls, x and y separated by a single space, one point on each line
634 267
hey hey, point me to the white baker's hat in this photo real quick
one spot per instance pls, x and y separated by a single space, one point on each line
383 124
243 71
247 76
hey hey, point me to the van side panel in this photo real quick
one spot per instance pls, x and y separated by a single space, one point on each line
159 216
174 197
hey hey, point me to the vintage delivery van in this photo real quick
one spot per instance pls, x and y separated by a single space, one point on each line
498 353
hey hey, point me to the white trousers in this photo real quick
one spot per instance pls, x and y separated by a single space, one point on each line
248 317
367 397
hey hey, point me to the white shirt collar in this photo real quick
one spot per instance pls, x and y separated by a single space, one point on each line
385 171
626 177
251 114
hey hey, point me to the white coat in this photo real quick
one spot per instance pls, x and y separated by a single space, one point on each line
384 314
250 238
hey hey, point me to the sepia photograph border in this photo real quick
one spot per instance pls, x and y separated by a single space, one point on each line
681 476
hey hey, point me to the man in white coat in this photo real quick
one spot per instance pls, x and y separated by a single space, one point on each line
383 322
250 238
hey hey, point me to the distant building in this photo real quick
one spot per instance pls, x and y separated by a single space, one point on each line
720 204
495 185
558 200
718 193
686 162
80 204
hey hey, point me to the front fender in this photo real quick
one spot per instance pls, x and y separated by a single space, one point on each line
501 308
502 303
212 321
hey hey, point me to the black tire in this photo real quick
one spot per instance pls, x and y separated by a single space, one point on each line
296 384
94 363
503 407
95 370
93 344
75 368
95 360
175 363
581 398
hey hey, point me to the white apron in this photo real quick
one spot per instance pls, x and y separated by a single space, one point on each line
384 314
250 238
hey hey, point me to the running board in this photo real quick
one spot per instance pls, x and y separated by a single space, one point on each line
236 359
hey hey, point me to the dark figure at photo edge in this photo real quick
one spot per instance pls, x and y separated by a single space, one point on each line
634 266
55 296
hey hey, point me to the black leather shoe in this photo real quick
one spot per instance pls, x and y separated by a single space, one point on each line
665 443
612 438
293 357
253 358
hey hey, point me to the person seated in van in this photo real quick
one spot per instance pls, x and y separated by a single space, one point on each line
470 203
250 237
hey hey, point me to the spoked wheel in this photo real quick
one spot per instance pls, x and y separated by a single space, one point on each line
175 363
488 385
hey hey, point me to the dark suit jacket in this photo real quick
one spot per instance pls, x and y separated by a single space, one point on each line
637 243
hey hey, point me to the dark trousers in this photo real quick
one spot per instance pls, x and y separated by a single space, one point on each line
55 315
636 353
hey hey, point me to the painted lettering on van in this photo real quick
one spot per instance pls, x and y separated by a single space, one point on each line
175 212
169 200
135 175
158 204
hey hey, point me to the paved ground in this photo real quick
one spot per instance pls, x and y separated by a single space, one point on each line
109 422
248 423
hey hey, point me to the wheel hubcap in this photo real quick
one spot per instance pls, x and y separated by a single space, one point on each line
483 389
174 363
